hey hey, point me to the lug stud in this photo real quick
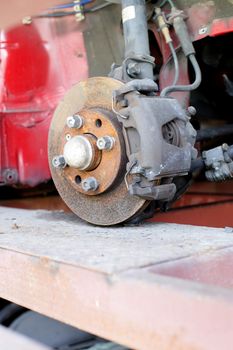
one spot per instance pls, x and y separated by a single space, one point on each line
59 162
74 121
90 184
105 143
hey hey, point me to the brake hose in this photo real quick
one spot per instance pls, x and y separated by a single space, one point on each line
176 63
190 87
188 49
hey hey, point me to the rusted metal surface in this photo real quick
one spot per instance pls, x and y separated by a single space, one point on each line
98 124
109 283
116 205
10 340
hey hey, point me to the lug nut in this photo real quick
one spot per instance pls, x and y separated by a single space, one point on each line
90 184
105 142
59 162
75 121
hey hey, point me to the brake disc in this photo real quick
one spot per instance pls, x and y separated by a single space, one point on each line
90 175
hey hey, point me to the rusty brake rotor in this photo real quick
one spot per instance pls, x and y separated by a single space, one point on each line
87 155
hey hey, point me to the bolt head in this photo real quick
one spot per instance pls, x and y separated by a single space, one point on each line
225 146
90 184
203 30
105 143
133 69
192 111
27 20
74 121
123 103
10 176
59 162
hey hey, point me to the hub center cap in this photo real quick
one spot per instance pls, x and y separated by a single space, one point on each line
80 152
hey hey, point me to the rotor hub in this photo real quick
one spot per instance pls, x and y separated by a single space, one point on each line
93 150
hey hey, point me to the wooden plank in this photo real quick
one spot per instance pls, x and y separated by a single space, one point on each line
102 280
10 340
64 237
214 268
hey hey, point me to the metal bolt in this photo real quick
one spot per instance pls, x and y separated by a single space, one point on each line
225 147
133 69
10 176
74 121
90 184
203 30
216 165
192 110
59 162
123 103
27 20
105 142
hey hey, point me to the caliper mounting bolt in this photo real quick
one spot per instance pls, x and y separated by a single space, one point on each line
74 121
192 111
90 184
59 162
105 143
133 69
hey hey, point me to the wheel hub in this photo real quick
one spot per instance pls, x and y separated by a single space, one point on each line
86 153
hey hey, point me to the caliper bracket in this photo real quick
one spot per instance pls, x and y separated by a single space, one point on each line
159 139
160 192
146 121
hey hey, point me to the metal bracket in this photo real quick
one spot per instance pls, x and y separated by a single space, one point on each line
161 192
144 119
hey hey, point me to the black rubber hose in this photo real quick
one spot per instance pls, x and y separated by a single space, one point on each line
191 87
197 164
212 133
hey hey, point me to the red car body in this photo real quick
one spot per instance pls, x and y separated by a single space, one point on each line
40 61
